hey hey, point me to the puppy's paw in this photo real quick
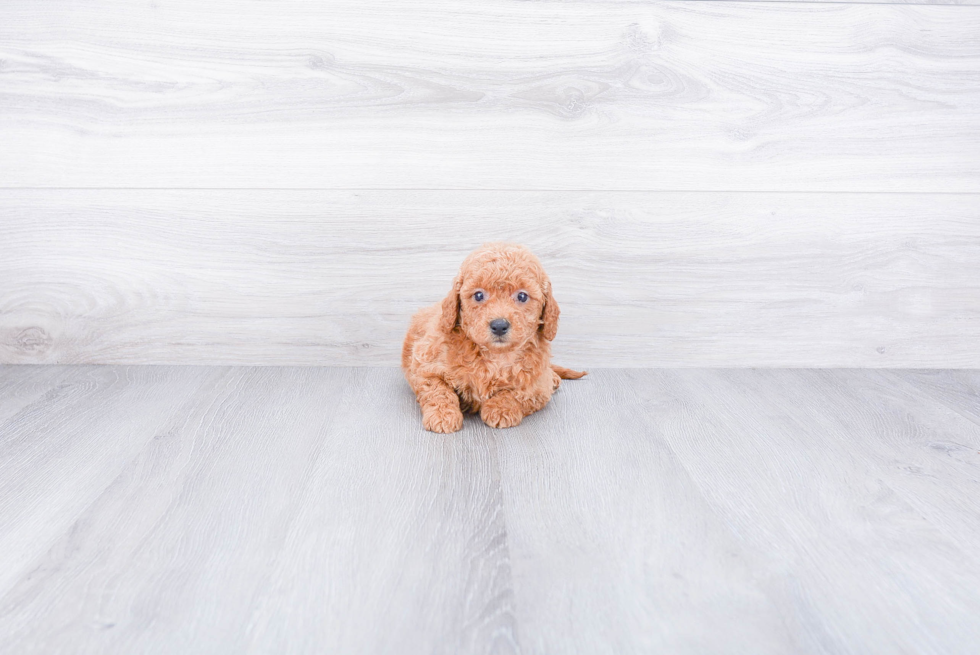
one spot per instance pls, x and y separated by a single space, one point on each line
501 414
437 418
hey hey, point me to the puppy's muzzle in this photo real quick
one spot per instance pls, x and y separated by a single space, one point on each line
499 327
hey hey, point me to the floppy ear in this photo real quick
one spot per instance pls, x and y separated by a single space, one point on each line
549 316
450 307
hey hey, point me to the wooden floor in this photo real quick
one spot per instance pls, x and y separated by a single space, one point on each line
279 510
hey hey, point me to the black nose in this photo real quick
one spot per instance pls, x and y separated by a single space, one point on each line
499 326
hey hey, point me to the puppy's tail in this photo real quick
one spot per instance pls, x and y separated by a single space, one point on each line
567 373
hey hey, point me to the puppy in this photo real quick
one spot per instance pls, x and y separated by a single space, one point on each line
485 348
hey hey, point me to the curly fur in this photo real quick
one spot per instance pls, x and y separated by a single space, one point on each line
454 362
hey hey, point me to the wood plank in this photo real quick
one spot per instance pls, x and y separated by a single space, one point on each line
305 510
926 449
284 510
413 526
860 567
332 277
958 390
506 94
614 549
21 386
62 451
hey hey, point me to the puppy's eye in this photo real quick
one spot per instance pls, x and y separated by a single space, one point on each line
521 297
478 296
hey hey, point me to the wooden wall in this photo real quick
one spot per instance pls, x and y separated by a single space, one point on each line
708 183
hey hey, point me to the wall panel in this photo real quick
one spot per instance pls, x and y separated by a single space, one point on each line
643 279
490 95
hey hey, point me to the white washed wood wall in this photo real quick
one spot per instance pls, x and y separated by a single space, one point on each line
709 183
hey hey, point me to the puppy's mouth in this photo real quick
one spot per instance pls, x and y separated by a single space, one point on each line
499 341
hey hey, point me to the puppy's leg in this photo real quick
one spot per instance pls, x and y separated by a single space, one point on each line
440 405
502 410
507 408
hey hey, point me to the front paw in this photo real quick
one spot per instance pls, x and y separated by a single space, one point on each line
501 414
442 419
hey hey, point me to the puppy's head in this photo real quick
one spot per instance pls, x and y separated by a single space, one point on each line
501 298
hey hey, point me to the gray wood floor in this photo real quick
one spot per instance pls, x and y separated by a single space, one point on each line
205 509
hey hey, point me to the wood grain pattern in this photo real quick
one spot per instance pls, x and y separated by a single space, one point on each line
921 439
614 549
63 450
276 490
811 479
399 541
211 510
315 277
19 387
506 94
958 390
913 441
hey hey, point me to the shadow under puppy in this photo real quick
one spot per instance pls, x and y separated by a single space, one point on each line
485 348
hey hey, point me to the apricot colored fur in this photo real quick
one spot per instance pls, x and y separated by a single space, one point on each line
455 364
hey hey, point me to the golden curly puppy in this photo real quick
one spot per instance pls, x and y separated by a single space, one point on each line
485 348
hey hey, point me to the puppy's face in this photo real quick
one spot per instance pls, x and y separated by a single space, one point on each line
501 298
500 314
